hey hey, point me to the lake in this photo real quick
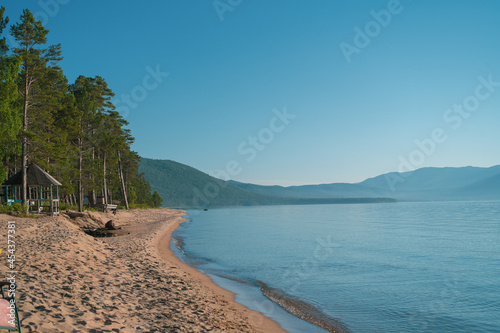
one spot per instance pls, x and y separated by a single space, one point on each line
400 267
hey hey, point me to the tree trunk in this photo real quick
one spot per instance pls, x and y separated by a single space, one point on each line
104 171
122 181
24 168
24 157
92 192
80 165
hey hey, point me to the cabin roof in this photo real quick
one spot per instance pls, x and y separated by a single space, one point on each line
35 176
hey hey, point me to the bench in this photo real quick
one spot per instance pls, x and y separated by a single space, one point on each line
111 207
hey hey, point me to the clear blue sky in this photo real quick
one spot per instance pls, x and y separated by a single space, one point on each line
360 100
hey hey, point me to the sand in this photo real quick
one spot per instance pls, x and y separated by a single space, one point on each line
69 281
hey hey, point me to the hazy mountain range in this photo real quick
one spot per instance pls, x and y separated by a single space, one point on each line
183 186
426 184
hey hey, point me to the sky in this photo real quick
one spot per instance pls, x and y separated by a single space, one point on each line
292 92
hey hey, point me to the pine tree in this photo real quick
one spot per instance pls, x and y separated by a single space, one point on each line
73 131
3 23
116 138
65 153
48 144
93 104
37 64
157 200
9 117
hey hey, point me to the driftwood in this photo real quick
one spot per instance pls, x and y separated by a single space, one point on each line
74 215
101 232
110 225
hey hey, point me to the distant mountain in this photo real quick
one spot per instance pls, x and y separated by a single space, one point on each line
426 184
485 189
182 186
431 178
185 187
337 190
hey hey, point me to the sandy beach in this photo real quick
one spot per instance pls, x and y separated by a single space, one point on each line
69 281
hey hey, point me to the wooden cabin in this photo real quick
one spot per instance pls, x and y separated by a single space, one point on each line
42 192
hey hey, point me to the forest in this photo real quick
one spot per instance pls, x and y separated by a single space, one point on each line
71 130
185 187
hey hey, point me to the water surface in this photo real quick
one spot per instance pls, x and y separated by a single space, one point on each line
404 267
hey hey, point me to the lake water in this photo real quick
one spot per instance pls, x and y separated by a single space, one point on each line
402 267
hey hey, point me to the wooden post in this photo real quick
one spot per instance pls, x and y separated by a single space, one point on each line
51 201
40 202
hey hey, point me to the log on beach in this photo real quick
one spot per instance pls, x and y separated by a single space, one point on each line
74 215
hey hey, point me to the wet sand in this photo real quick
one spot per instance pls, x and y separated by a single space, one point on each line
69 281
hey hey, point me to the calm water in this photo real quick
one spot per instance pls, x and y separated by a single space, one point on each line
404 267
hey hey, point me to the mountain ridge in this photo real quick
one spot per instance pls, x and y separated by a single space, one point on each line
425 184
184 186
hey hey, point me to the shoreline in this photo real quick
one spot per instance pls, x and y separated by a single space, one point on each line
256 319
289 312
70 281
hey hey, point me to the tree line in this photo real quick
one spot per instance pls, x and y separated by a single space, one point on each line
72 130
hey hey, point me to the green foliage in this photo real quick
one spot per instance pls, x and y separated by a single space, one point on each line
16 209
157 200
3 24
185 187
9 114
182 186
71 130
8 93
66 206
140 206
29 32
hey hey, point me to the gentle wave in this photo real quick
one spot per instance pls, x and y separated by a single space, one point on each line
303 310
179 243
